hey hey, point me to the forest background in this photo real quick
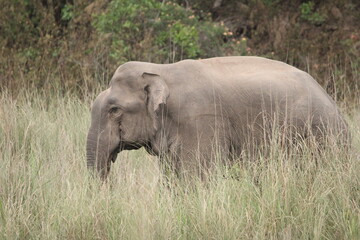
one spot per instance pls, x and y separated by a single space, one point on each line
75 45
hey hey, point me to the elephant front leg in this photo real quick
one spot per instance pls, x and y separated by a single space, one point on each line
200 154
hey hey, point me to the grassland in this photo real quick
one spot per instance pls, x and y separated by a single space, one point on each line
47 193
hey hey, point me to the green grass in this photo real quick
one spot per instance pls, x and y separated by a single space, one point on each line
46 192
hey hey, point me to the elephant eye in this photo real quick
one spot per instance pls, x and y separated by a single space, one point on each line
114 110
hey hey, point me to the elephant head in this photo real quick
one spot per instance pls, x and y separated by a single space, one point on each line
124 117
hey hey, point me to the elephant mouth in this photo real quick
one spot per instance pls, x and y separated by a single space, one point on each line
124 146
129 146
114 154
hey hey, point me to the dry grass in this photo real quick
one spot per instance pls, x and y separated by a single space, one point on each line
46 192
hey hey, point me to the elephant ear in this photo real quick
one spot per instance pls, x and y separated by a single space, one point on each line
157 91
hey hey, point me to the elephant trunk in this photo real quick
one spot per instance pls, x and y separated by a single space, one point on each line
97 155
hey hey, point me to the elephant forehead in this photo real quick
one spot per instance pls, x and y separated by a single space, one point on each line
119 93
126 79
102 102
98 102
97 110
123 97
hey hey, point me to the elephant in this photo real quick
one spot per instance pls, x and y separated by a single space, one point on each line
189 112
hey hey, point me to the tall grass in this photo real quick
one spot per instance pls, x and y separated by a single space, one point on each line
46 191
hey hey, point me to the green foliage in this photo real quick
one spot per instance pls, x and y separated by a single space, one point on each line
30 53
67 13
69 41
238 47
309 14
270 3
13 26
149 29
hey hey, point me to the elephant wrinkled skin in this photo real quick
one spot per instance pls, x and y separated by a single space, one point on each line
192 110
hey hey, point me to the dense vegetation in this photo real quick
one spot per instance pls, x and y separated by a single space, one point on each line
76 44
56 55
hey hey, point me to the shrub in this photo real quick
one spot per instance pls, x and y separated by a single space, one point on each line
155 31
309 14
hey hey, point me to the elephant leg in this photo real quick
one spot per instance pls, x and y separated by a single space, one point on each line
200 152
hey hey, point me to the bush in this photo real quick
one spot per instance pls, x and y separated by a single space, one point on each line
156 31
309 14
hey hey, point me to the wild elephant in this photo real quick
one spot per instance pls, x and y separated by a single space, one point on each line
192 110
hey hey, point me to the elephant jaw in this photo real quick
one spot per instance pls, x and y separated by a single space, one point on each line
130 145
123 146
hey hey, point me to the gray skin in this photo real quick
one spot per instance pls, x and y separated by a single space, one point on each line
190 111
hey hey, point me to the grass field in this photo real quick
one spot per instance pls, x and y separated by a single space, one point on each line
46 192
